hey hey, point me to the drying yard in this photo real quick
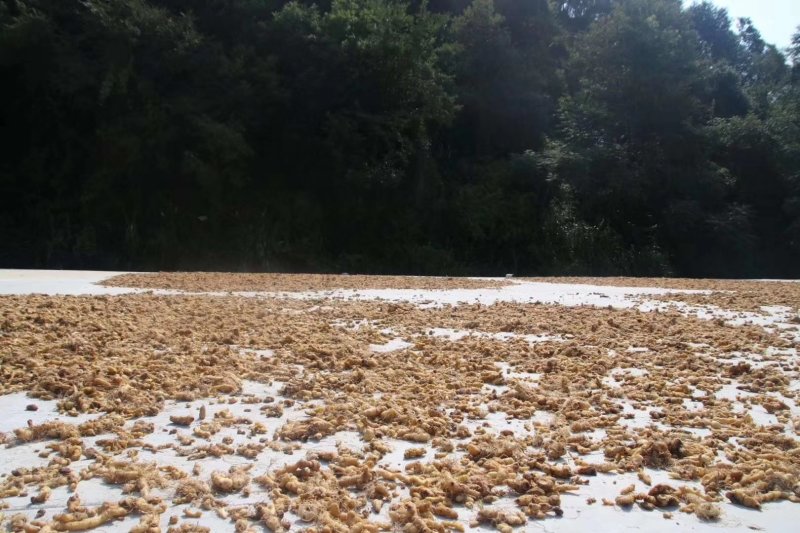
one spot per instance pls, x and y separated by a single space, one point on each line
269 402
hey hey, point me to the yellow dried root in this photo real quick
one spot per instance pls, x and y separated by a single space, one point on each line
234 481
106 513
315 429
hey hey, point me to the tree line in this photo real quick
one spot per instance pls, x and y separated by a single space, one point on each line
641 137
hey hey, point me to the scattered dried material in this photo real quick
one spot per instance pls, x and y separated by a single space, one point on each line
505 419
217 281
738 295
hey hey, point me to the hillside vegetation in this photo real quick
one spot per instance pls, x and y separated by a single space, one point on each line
450 137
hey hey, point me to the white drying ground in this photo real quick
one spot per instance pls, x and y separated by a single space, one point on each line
578 517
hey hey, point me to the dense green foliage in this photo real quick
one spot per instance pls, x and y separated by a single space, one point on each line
440 136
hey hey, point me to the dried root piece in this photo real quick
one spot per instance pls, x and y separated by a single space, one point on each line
148 524
48 430
43 496
108 512
444 512
707 511
415 435
267 514
743 497
136 477
191 490
315 429
272 410
414 453
412 516
625 500
189 528
250 450
773 405
663 495
181 420
660 454
104 424
18 522
555 450
502 519
234 481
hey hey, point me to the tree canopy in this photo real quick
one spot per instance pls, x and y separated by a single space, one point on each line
393 136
